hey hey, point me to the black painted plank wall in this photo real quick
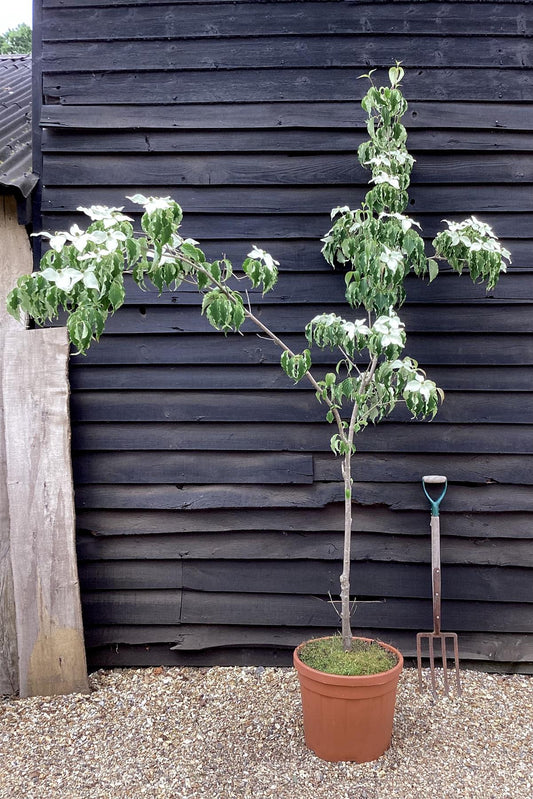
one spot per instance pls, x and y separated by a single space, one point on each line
209 509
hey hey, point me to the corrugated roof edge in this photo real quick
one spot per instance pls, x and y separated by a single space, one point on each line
16 175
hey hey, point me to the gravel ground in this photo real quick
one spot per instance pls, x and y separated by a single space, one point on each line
228 733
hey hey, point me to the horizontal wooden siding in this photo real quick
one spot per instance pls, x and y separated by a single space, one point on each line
209 507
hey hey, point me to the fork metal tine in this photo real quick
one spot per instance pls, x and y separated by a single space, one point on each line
444 663
443 644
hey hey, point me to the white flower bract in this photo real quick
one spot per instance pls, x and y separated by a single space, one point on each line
383 177
101 213
152 204
418 385
393 259
65 279
390 329
476 236
405 221
260 255
342 209
355 329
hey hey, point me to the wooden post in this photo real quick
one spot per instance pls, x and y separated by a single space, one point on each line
8 634
51 650
15 260
41 632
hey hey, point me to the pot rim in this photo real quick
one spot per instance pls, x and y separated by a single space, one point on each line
346 679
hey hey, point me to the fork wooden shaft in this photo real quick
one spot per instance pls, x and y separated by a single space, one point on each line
436 580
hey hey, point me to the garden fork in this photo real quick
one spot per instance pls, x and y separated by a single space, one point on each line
436 586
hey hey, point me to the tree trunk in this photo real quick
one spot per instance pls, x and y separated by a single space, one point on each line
345 576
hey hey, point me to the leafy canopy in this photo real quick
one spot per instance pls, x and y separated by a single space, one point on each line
377 244
16 41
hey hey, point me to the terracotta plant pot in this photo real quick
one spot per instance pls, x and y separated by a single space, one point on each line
348 718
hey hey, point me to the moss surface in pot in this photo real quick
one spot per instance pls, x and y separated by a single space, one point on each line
364 658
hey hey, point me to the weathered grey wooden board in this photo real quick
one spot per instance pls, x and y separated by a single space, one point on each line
329 285
278 406
123 522
195 607
62 139
179 467
322 83
331 168
153 467
335 51
268 19
474 469
369 578
298 255
251 228
400 496
473 646
128 656
190 377
289 318
237 3
201 608
393 439
140 656
408 545
152 349
248 115
263 200
49 625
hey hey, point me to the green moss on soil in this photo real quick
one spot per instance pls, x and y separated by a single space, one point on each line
327 655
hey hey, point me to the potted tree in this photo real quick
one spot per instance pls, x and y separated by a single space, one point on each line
378 244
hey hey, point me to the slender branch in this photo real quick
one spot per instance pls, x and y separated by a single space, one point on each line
271 335
365 382
308 374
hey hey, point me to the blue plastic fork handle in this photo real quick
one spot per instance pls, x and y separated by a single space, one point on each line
435 503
